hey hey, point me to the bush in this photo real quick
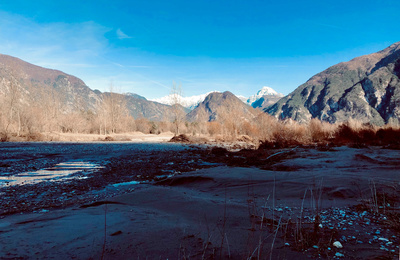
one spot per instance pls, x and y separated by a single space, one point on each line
3 137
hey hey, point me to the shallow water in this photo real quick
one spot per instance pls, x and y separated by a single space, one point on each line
60 172
31 163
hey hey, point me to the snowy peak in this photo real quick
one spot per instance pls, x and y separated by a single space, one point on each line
264 97
265 91
188 102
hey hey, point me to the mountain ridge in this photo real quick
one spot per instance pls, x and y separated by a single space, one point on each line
366 88
220 106
39 84
264 97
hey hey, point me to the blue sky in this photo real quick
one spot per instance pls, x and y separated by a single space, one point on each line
240 46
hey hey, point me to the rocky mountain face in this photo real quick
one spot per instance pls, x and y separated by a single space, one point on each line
366 88
264 98
41 85
220 106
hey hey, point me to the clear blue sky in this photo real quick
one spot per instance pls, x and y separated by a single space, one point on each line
240 46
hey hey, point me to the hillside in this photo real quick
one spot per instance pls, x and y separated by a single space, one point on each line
37 84
66 93
366 88
140 107
220 106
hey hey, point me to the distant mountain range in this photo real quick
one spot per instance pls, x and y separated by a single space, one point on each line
37 84
263 98
366 88
187 102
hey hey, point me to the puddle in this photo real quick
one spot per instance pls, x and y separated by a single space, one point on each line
57 173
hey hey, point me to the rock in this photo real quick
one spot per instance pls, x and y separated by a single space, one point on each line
180 139
337 244
119 232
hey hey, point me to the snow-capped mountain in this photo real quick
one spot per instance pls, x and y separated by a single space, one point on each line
264 97
188 102
265 91
243 98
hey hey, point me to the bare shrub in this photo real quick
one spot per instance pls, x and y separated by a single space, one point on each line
266 126
35 137
355 134
249 128
3 137
388 135
319 131
143 125
214 128
289 133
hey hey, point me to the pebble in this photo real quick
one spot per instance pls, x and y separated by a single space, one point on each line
337 244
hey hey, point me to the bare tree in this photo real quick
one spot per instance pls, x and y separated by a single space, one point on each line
12 106
114 112
178 113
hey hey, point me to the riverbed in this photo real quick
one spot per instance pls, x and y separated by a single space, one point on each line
131 200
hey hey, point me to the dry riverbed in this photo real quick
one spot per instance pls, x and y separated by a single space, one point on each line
172 201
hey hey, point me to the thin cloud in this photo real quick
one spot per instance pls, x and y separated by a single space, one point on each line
52 43
121 35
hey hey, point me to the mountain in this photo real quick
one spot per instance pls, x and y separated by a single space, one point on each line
220 106
140 107
264 98
366 88
38 84
68 93
187 102
265 91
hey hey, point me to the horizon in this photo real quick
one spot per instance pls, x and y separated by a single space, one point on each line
240 47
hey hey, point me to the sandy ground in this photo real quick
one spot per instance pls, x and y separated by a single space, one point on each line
230 212
132 137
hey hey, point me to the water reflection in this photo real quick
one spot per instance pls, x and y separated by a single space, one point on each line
59 172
